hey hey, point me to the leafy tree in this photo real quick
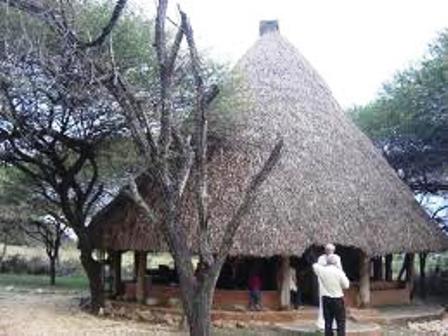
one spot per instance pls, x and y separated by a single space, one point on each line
55 119
409 120
36 219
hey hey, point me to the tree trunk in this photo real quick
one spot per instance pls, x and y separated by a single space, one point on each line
388 267
198 309
93 271
364 280
422 258
52 271
4 250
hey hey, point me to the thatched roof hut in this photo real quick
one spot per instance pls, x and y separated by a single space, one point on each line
331 184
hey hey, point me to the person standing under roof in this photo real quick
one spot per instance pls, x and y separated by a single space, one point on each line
329 249
333 281
255 285
296 299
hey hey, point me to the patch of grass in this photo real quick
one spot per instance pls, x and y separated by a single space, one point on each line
78 282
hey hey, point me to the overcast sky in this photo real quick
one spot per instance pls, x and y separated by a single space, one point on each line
354 44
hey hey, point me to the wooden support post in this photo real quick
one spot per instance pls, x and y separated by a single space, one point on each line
422 258
389 259
284 276
364 280
405 267
136 253
141 270
410 273
116 269
378 268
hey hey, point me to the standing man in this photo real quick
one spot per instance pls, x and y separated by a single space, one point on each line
329 250
333 281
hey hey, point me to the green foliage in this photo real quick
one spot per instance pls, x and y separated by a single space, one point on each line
411 113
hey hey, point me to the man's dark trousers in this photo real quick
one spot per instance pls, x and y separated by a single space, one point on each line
334 308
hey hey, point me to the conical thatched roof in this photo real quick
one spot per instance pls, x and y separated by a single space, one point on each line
331 184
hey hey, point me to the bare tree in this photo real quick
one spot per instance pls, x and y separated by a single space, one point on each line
171 160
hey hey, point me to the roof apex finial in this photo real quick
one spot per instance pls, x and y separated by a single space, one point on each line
268 26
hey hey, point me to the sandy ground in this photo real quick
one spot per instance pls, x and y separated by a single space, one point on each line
36 313
42 313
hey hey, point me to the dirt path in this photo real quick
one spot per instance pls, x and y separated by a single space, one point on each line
35 313
38 313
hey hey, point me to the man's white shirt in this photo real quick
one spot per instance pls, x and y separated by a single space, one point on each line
332 280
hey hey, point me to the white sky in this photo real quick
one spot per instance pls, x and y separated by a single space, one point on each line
354 44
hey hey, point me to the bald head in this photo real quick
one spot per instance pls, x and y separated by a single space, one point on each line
332 259
329 249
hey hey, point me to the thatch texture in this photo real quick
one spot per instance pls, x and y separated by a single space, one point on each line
331 185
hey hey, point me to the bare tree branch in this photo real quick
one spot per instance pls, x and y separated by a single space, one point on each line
119 7
249 199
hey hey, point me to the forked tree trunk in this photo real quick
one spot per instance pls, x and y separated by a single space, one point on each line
199 311
93 271
197 301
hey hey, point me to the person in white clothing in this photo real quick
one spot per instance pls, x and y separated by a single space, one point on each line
333 281
296 300
322 260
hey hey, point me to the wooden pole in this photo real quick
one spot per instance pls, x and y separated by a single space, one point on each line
389 259
422 258
285 295
141 270
364 280
116 265
410 273
136 253
378 268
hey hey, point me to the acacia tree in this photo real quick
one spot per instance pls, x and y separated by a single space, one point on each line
54 118
32 216
408 120
48 231
53 137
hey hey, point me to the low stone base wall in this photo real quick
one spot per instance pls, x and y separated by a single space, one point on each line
235 300
382 293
